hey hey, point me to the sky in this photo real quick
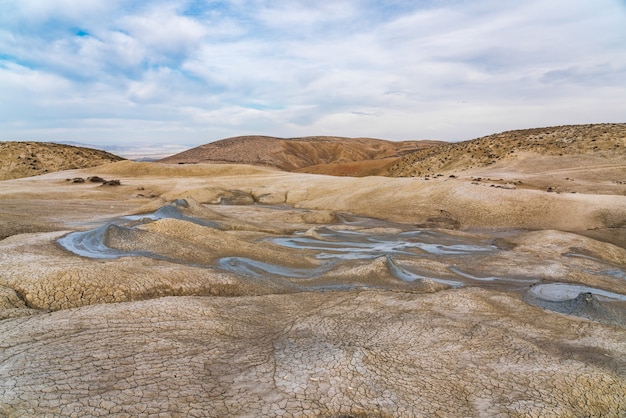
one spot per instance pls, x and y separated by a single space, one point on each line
188 72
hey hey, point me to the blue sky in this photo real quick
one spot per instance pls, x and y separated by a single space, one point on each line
193 71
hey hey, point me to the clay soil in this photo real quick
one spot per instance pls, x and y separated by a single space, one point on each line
208 312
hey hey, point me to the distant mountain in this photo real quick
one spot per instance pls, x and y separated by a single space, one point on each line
314 154
571 144
25 159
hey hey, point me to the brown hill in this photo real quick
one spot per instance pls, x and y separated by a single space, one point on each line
606 141
25 159
314 154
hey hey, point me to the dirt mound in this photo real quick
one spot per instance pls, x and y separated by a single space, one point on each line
352 169
600 140
25 159
315 154
585 305
156 170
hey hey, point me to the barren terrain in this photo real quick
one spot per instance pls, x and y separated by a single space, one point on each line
240 290
315 154
24 159
599 140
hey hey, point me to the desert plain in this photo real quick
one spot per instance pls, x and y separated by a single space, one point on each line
486 282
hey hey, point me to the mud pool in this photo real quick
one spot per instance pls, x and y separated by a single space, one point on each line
341 253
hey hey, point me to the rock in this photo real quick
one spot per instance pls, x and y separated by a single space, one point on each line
76 180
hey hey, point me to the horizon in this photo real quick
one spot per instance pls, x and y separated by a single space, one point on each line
184 73
152 152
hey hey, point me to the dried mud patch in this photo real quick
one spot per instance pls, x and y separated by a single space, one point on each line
357 353
336 305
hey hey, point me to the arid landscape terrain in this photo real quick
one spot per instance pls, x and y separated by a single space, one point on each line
25 159
356 157
260 276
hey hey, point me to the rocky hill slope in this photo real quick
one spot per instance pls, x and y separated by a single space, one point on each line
316 154
599 140
25 159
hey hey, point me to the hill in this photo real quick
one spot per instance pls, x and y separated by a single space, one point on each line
25 159
606 141
314 154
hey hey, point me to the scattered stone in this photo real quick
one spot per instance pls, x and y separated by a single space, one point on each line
507 186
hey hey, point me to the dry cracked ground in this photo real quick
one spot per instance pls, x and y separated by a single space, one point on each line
243 291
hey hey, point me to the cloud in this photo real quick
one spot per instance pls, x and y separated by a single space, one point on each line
194 71
166 36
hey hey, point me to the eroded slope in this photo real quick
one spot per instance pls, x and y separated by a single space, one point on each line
315 153
607 141
25 159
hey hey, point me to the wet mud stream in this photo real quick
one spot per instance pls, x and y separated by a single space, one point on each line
356 252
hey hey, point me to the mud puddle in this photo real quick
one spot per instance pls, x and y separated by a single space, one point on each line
355 252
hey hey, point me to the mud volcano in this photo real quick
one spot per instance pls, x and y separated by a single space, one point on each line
116 303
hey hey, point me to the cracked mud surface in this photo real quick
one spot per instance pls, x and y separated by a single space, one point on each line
461 353
466 353
293 307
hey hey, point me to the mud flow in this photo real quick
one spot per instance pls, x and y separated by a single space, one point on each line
351 252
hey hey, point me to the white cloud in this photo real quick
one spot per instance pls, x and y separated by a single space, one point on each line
163 32
177 70
39 11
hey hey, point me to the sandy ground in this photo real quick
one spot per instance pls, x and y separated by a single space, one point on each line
208 313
